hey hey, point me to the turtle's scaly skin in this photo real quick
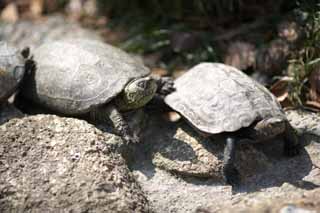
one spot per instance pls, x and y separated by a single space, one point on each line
218 98
12 68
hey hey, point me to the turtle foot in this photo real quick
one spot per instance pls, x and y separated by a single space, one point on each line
231 175
166 85
131 139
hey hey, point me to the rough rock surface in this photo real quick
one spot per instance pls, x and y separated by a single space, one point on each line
266 177
49 163
183 151
287 199
270 182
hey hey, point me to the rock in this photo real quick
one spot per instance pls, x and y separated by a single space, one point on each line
182 150
296 202
293 209
305 122
267 176
50 164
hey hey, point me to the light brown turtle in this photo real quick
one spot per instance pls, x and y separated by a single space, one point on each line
219 99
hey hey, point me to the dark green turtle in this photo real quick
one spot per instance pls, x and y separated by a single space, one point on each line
219 99
75 77
12 69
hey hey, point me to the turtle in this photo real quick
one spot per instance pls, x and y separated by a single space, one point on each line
89 77
220 100
12 69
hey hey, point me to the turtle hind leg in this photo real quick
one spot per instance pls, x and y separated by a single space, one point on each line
292 144
230 173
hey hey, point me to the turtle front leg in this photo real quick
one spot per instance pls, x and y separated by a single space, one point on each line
165 85
121 127
292 145
230 173
30 64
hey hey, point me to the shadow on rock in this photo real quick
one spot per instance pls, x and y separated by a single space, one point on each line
180 150
175 148
279 169
8 112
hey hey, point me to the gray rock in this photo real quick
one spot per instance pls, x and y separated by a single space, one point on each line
266 174
305 122
297 201
183 151
293 209
53 164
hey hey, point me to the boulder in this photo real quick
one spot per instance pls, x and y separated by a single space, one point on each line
54 164
174 168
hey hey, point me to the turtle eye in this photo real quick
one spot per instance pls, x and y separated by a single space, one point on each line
142 84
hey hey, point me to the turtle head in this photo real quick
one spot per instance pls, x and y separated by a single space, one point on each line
270 127
137 93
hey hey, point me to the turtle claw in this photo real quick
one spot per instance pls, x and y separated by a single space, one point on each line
231 175
132 139
167 85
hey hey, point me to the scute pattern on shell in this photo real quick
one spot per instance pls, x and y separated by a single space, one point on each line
218 98
72 76
11 70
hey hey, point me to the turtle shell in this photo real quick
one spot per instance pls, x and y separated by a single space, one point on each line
73 76
12 69
217 98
